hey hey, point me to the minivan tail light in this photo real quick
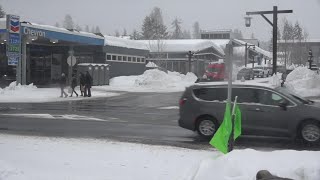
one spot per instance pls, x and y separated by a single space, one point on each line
182 101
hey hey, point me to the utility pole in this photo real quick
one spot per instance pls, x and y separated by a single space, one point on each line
274 25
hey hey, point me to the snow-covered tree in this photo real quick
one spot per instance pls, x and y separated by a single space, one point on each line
124 32
97 30
87 29
78 27
135 35
176 26
117 33
57 24
186 34
298 32
68 22
196 31
2 12
153 26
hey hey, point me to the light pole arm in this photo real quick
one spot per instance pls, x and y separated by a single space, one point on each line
264 17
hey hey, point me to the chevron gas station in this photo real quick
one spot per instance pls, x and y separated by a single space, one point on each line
33 53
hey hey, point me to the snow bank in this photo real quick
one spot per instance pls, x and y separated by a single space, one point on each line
153 80
244 165
30 93
304 82
59 158
275 80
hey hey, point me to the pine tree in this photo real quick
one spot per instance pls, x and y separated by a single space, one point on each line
153 26
68 22
298 34
117 33
177 32
57 24
92 29
97 30
186 34
78 27
87 29
196 30
124 32
2 12
135 35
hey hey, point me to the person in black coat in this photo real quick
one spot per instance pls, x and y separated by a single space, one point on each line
73 85
88 84
62 83
82 83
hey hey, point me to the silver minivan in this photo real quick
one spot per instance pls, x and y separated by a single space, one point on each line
266 111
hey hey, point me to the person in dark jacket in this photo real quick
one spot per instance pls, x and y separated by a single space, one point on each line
88 84
82 83
63 82
73 85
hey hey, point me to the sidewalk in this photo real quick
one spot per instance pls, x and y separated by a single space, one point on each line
31 93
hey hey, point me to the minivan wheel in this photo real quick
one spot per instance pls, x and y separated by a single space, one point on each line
206 127
310 132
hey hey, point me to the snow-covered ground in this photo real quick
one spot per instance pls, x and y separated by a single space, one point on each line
31 93
40 158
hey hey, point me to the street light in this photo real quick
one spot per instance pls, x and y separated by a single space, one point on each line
189 55
274 25
248 21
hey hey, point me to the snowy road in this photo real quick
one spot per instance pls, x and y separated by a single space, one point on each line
149 118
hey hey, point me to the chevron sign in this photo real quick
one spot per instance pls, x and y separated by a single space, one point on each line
13 23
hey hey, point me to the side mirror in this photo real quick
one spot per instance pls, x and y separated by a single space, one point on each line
283 104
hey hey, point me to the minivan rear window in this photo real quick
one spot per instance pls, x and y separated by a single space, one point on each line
211 94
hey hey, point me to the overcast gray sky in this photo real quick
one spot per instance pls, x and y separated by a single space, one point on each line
113 15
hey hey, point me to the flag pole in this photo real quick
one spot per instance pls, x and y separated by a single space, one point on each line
229 51
233 117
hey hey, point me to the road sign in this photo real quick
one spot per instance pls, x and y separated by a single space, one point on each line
71 60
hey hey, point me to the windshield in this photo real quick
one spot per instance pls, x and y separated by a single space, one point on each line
294 95
214 70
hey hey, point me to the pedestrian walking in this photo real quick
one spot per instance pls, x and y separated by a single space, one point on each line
82 83
63 82
73 85
88 84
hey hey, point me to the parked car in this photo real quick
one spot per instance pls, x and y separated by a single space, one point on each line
266 111
261 72
246 73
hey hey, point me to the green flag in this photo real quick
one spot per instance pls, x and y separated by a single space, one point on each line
221 138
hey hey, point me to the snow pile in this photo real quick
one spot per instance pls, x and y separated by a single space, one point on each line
14 89
275 81
244 165
304 82
154 80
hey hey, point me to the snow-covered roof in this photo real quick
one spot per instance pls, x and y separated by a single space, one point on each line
181 45
92 64
62 30
124 42
257 49
246 83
